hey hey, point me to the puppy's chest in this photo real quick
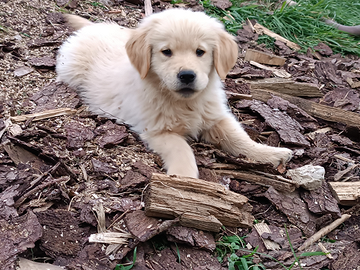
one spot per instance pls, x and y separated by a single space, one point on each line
184 121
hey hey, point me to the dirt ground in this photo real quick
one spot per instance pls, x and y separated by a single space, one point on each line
67 177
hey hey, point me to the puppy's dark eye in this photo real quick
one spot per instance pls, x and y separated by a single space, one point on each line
200 52
167 52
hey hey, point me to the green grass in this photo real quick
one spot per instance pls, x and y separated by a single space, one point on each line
227 246
302 24
127 267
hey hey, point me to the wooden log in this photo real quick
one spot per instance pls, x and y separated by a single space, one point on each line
264 58
318 110
346 193
287 86
263 30
200 204
278 182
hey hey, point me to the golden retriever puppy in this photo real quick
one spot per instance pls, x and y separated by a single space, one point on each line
163 79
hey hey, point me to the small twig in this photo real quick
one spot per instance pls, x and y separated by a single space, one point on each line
324 231
40 187
41 177
323 249
116 220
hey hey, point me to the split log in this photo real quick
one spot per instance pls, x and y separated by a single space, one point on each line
317 110
287 86
263 30
264 58
264 179
346 193
43 115
199 204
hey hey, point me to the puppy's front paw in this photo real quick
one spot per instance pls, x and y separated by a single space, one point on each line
280 156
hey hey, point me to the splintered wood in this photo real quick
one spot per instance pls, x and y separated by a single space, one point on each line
263 30
346 193
199 204
44 114
264 58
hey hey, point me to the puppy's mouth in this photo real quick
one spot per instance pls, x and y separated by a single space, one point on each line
186 92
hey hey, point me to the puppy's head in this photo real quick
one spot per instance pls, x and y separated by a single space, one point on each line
184 49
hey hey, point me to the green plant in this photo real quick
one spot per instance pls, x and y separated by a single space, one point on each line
178 253
229 245
97 4
303 24
128 267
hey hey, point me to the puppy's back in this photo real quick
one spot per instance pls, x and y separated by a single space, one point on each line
76 22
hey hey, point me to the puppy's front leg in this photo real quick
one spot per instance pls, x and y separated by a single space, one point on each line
229 134
176 153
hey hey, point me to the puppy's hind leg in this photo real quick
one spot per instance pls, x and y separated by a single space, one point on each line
177 155
231 137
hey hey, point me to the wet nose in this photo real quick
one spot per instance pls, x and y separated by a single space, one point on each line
186 76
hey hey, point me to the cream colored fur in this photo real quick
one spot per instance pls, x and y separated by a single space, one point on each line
125 74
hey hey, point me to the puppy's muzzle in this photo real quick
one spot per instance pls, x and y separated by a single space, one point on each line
186 77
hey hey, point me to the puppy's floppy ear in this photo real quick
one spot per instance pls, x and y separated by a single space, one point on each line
139 51
225 54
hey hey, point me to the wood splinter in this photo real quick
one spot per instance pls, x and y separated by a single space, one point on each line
324 231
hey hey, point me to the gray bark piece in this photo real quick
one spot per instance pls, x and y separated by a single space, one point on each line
288 128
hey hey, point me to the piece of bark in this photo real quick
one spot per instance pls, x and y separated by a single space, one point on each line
287 86
43 115
20 155
346 193
264 58
288 129
192 237
110 134
192 199
324 231
294 208
317 110
277 72
144 227
321 201
43 62
22 71
131 180
278 182
263 30
17 236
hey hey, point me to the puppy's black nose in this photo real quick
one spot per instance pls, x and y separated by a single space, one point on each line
186 76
